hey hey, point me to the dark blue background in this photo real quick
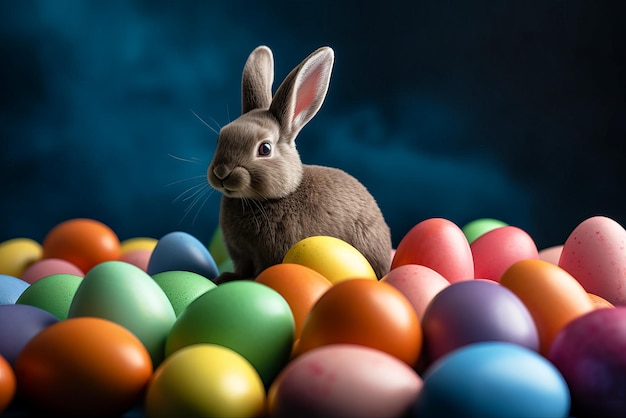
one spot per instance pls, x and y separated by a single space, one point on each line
455 109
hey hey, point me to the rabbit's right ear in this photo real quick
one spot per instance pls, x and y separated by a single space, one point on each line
257 79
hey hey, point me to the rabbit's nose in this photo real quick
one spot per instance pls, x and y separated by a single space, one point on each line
221 171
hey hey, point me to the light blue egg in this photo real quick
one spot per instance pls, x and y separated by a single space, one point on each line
493 379
11 289
180 251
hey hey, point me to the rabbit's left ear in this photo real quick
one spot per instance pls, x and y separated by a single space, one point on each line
302 93
257 79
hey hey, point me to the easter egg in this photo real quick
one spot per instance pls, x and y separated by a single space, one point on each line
8 384
182 287
301 287
180 251
226 266
332 257
205 380
247 317
344 381
496 250
18 324
11 288
83 242
590 352
599 302
476 311
418 283
139 258
17 254
478 227
48 267
551 254
137 243
364 312
440 245
217 246
553 297
84 367
595 254
53 294
493 379
126 295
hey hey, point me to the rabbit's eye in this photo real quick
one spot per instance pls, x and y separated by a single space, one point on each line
265 149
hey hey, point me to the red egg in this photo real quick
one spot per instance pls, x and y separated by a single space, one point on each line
439 244
7 384
498 249
82 242
84 367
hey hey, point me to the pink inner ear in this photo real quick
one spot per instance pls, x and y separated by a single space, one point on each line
307 91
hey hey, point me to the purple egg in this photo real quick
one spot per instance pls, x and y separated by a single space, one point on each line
590 353
18 324
476 311
11 288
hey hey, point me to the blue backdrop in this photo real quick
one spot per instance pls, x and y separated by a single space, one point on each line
455 109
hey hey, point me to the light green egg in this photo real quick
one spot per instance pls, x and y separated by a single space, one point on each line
217 247
127 295
52 293
478 227
182 287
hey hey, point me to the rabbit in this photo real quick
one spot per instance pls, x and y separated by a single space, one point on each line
270 199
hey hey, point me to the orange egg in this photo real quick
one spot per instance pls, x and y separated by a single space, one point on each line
7 384
83 242
600 302
553 297
84 367
301 287
364 312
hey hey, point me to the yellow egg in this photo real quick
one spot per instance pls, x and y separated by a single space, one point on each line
138 243
17 254
333 258
205 380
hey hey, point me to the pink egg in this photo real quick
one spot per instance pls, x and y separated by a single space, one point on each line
344 380
49 266
498 249
139 258
418 283
551 254
439 244
595 254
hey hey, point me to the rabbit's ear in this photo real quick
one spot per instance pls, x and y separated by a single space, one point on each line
302 93
257 79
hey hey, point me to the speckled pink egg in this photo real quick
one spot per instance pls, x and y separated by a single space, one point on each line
595 254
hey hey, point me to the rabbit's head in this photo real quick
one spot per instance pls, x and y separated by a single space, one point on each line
256 156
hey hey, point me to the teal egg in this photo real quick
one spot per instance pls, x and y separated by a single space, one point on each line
248 317
478 227
125 294
493 379
52 293
182 287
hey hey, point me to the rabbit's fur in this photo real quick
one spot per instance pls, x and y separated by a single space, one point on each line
270 200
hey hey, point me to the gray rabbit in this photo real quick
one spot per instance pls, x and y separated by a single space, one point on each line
270 200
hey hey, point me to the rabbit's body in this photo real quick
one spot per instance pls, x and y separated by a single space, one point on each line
270 199
264 230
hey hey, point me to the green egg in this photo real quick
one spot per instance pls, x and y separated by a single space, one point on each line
248 317
52 293
182 287
217 247
478 227
127 295
226 266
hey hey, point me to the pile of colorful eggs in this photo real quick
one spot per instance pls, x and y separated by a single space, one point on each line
471 321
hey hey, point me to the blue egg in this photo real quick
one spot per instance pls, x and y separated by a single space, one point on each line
493 379
180 251
11 288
